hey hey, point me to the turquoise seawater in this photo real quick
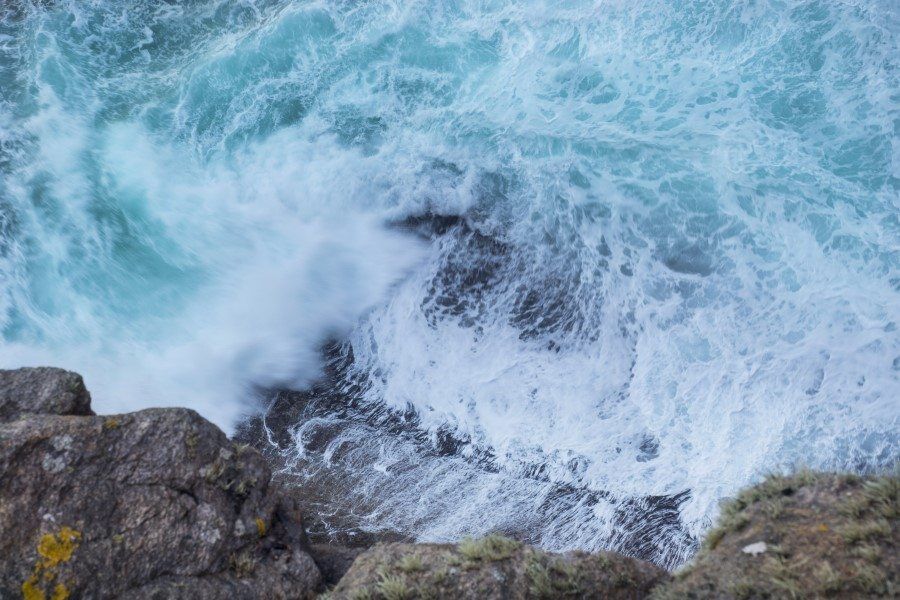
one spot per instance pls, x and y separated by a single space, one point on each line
680 260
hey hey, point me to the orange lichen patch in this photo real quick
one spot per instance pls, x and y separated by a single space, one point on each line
260 527
110 423
53 550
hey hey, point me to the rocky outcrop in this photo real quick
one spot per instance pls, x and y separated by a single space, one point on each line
494 567
152 504
43 390
160 504
811 535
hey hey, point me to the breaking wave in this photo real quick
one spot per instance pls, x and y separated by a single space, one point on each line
585 261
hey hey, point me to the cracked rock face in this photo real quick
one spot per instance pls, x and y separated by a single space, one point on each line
153 504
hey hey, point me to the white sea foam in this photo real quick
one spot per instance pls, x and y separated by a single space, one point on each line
265 272
679 269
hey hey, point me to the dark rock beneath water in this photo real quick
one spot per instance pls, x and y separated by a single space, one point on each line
157 503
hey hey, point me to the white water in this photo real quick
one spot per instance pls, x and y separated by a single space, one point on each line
689 270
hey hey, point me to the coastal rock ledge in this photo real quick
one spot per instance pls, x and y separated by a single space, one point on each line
160 504
151 504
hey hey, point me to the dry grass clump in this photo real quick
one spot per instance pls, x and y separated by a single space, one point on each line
825 535
411 563
551 578
866 530
393 587
488 549
770 491
880 495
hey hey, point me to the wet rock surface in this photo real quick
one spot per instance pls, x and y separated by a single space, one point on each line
328 442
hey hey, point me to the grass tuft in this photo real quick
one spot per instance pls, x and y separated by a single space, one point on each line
881 496
555 579
733 519
488 549
828 579
361 594
742 589
441 575
871 553
411 563
870 579
782 576
866 530
394 587
774 508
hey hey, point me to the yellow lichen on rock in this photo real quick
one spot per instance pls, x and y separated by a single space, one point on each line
53 550
260 527
31 590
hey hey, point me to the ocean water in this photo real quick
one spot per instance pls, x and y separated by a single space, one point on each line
656 250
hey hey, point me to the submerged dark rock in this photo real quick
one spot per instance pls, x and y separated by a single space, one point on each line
336 474
156 503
